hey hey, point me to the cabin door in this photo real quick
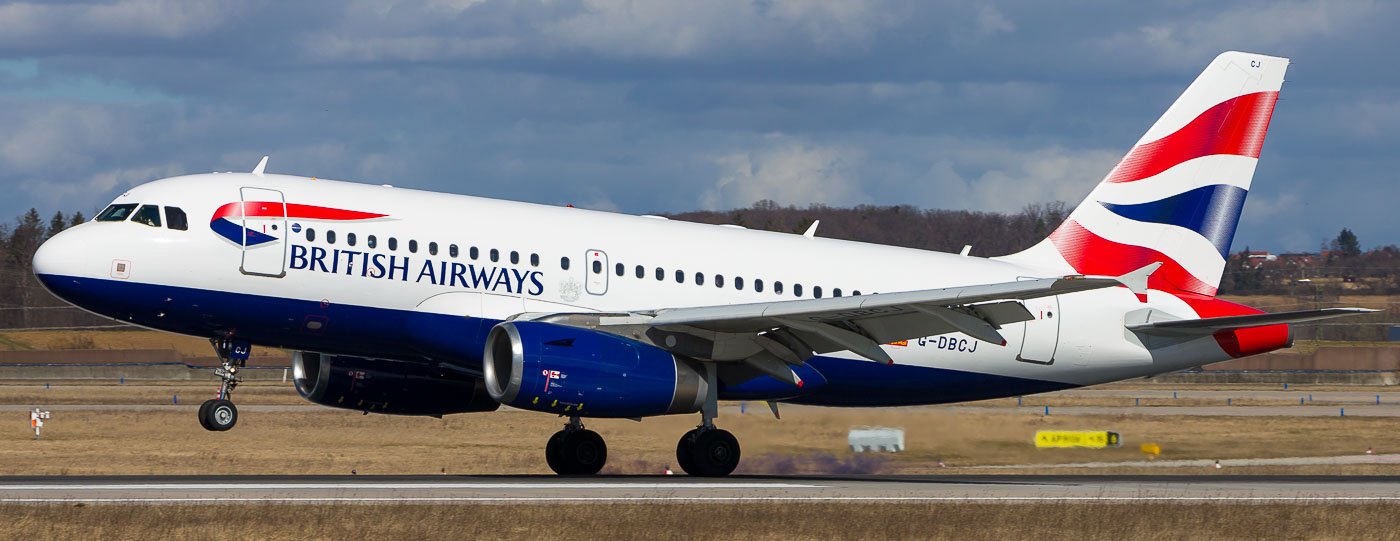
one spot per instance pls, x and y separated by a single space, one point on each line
264 233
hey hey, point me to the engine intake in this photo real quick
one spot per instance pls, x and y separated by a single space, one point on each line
560 369
383 386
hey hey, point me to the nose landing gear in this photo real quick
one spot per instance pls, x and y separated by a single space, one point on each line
576 450
219 414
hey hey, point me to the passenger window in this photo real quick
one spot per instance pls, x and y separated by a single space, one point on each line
310 235
432 248
660 274
393 244
116 213
797 290
412 246
817 292
620 269
739 283
350 239
680 276
563 261
597 267
758 285
477 253
534 260
777 288
515 258
147 214
856 292
330 237
452 251
372 242
836 292
495 255
641 272
175 219
699 278
719 280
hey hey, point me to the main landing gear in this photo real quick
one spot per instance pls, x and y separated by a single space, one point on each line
705 451
220 414
576 450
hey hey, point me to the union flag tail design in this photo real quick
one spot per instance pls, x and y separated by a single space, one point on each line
1176 196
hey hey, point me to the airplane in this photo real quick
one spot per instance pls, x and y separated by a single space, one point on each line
407 302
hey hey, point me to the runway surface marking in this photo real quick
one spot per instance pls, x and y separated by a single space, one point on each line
738 499
398 486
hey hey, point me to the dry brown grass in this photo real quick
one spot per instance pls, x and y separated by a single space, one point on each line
113 339
84 392
806 440
620 522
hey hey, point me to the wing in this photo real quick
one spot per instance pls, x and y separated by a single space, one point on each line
770 336
1206 326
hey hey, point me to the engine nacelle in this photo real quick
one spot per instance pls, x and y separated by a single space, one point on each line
560 369
383 386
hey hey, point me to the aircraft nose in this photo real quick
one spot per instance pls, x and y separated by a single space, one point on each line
57 258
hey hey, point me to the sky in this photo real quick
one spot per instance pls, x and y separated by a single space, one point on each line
662 106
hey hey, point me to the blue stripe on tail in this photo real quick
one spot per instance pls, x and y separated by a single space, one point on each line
1213 211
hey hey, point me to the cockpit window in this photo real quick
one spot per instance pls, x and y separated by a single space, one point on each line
175 219
116 213
147 214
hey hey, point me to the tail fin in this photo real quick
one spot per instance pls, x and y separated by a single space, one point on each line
1176 196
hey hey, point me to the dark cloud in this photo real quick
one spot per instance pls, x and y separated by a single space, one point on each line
663 106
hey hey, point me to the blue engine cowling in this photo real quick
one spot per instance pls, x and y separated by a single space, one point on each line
383 386
569 370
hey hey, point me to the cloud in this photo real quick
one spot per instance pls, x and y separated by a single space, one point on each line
788 172
1258 26
668 105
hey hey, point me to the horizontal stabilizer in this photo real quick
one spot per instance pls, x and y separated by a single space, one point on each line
1203 326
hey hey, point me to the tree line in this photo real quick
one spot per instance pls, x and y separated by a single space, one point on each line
24 303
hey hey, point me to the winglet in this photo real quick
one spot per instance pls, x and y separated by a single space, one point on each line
812 229
261 165
1136 281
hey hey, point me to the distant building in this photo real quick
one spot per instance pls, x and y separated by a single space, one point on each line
1254 259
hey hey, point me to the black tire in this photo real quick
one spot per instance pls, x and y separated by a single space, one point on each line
554 453
685 452
204 414
584 452
222 415
716 453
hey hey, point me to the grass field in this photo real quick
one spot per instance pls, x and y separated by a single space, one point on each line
620 522
806 440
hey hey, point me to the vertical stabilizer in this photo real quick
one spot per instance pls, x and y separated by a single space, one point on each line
1176 196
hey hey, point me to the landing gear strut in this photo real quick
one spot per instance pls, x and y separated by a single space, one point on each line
708 451
576 450
220 414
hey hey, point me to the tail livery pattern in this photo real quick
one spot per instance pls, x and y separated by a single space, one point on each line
1176 196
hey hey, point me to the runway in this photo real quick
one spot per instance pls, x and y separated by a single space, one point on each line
680 489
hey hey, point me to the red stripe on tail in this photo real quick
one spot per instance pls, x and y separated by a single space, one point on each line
1091 254
1235 126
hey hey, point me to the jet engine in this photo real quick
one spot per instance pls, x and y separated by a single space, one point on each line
384 386
574 371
